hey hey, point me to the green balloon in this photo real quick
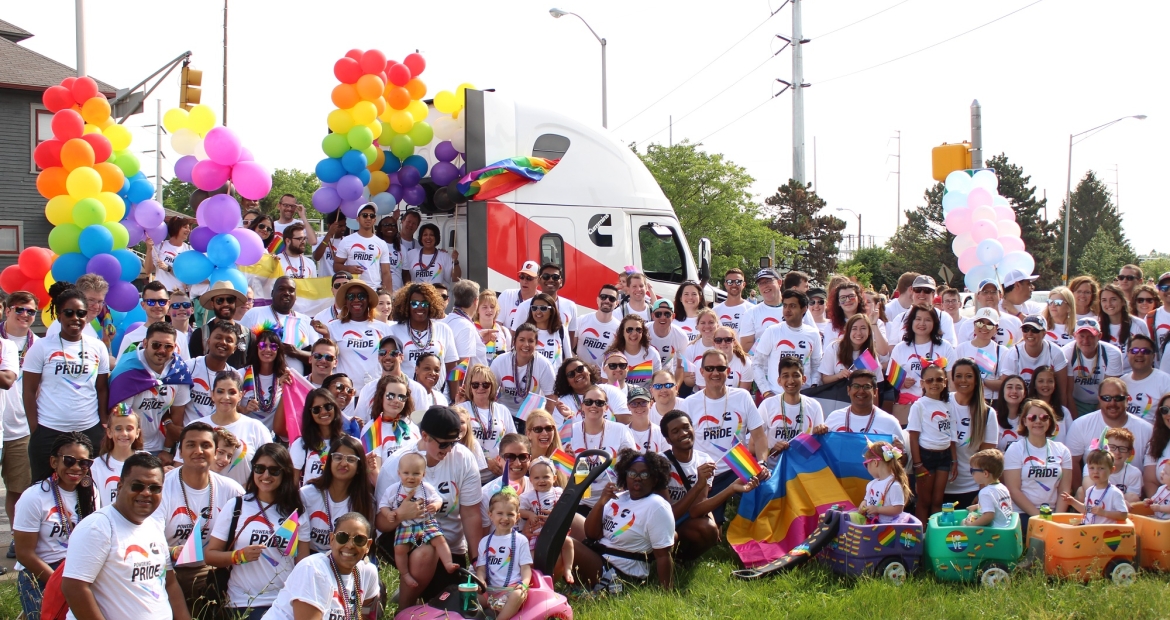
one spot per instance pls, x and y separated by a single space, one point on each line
360 137
371 153
121 235
89 211
63 239
127 162
402 146
421 133
335 145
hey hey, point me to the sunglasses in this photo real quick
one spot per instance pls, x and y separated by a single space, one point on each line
219 301
154 303
272 470
1163 410
572 373
327 407
25 311
715 368
526 278
446 445
1106 398
618 366
924 291
935 380
593 402
607 298
723 340
523 458
182 305
444 296
323 356
541 308
356 297
393 396
663 315
394 353
816 302
337 285
555 277
481 385
1165 288
976 470
367 216
164 346
348 458
663 386
1146 300
1140 351
1056 302
344 538
1127 277
264 227
268 346
1030 330
634 330
984 324
1038 417
1086 322
541 429
69 313
70 461
420 304
638 475
341 387
733 282
138 487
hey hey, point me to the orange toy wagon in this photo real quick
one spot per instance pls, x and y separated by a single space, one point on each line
1153 542
1070 550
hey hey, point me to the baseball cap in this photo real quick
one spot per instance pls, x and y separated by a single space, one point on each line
341 275
767 272
984 282
662 303
987 314
924 282
1014 276
638 393
441 423
1088 324
817 292
1035 320
530 268
1165 276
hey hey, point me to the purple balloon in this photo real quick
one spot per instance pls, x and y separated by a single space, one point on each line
445 152
409 176
199 238
220 213
462 169
158 233
136 232
415 195
251 247
184 166
444 172
326 200
349 187
149 214
395 190
222 146
122 295
350 207
106 266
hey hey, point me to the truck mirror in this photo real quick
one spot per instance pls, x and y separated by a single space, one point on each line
704 259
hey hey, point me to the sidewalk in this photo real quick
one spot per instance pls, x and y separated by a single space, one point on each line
5 539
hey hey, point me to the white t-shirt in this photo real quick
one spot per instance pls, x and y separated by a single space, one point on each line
642 366
279 226
1026 308
623 310
424 494
456 478
251 435
370 253
310 462
312 582
295 327
732 316
15 424
637 526
365 399
1059 334
491 489
202 382
613 438
509 302
1145 394
831 366
1089 427
1127 480
845 421
429 268
154 405
555 347
650 440
567 309
67 399
539 379
1087 374
125 562
1136 326
255 584
131 341
106 473
166 253
298 268
910 356
503 556
1040 470
882 493
786 421
720 423
322 512
393 437
966 446
991 360
946 326
675 487
439 339
1161 497
490 425
931 419
539 502
174 514
1017 360
36 512
325 265
357 343
595 337
759 318
1111 499
671 347
996 498
781 341
1008 331
738 371
688 327
614 396
1008 436
465 339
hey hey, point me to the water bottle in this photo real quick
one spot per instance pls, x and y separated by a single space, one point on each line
948 515
1046 512
579 475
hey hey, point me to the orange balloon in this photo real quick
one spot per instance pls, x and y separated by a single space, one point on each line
51 181
380 105
370 87
77 153
112 177
416 88
345 96
398 98
377 163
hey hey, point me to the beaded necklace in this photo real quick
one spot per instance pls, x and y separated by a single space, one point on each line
210 497
66 526
356 601
511 559
521 392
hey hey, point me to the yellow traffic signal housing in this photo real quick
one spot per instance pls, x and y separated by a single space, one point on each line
948 158
189 91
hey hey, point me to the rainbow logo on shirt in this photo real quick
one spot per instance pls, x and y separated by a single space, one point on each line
356 336
640 373
787 421
83 379
1028 462
240 456
372 251
1113 539
938 414
887 536
1147 411
135 549
956 541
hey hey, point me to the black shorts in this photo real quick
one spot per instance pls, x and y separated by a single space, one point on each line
936 460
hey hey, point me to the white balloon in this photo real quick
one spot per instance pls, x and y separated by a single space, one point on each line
1008 228
983 213
444 128
959 181
999 201
200 152
952 200
184 141
986 179
459 142
961 243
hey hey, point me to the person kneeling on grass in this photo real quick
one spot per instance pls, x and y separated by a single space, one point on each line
995 501
411 533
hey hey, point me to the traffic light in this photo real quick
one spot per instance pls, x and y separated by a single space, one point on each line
189 88
948 158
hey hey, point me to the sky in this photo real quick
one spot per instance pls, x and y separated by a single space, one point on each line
1049 70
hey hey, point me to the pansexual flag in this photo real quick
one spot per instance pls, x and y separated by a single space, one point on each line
741 461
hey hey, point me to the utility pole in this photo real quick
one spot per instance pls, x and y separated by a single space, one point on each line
797 95
80 9
225 7
815 186
898 215
670 121
976 135
158 184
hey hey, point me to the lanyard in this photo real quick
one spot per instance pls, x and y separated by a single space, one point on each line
66 525
520 393
869 425
1047 456
800 415
1077 356
287 261
929 355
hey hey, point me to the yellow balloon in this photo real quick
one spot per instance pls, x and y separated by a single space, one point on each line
49 281
175 119
118 136
340 121
83 183
363 113
375 128
401 121
201 119
459 91
60 209
445 102
46 318
418 110
379 182
89 128
115 207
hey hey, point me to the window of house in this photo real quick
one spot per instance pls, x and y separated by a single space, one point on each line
10 235
42 129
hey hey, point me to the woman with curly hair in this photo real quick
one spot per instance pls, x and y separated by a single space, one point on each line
574 378
1085 290
633 340
630 527
428 262
417 308
356 332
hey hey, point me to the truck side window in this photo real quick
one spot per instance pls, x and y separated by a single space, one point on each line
552 250
662 253
550 146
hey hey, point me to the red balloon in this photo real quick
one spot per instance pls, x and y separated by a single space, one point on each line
48 153
347 70
84 88
399 74
101 146
373 62
355 54
57 98
12 279
35 262
67 124
416 63
37 288
68 83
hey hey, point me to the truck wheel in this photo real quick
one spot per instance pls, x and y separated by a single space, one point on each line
894 570
995 575
1121 573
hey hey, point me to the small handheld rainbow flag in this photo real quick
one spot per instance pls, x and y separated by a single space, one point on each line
192 551
563 461
531 403
372 438
289 530
896 375
460 370
249 381
742 462
276 246
866 361
640 373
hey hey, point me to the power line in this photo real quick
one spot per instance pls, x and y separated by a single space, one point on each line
735 120
858 21
933 45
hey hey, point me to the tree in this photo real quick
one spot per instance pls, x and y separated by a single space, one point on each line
295 182
1092 211
1103 256
1155 267
923 244
711 197
877 265
794 212
1041 238
177 196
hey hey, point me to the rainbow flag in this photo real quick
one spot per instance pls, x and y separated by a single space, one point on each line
742 462
640 373
276 246
460 370
563 461
289 530
866 361
896 375
192 551
249 381
504 176
372 438
531 403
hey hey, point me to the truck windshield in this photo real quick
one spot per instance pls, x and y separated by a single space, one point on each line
662 253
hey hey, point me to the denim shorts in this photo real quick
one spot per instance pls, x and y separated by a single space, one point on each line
935 460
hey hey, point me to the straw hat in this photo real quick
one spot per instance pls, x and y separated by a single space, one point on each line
371 294
223 287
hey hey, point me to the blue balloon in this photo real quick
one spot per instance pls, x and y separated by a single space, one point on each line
418 162
131 265
125 191
96 239
230 274
140 189
391 165
223 250
385 202
353 161
69 267
192 267
330 170
364 175
136 315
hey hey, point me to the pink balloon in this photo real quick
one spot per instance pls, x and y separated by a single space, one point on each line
209 176
968 260
245 154
1005 213
252 181
1011 244
957 221
1008 229
984 229
982 213
222 146
251 247
979 197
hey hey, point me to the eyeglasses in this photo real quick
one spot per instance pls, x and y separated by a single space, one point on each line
541 308
634 330
638 403
327 407
663 386
846 298
394 353
816 301
154 303
976 470
323 356
182 305
1120 449
416 304
342 388
1140 351
70 461
219 301
1145 300
138 487
861 386
723 340
348 458
356 297
618 366
163 346
715 368
555 277
1038 417
733 282
576 370
607 298
268 346
1106 398
294 238
638 475
522 458
263 227
69 313
248 223
272 470
1127 277
481 385
393 396
594 402
1056 302
284 205
540 430
343 538
25 311
663 315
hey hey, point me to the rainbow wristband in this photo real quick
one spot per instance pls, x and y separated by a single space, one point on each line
239 558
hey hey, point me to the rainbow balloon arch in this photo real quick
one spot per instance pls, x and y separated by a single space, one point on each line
987 237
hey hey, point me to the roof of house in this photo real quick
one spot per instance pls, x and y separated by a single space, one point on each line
24 69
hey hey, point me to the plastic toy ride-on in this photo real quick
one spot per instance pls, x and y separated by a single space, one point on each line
968 552
1066 548
1153 541
889 550
462 601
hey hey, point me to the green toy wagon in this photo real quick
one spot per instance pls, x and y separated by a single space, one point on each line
967 553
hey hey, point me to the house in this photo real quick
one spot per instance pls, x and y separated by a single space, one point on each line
24 123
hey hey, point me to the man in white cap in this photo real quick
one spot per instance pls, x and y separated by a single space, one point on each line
363 253
922 295
222 299
1017 295
1089 362
1036 350
511 299
1007 330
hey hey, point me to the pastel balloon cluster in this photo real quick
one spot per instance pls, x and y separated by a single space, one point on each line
88 176
212 156
987 237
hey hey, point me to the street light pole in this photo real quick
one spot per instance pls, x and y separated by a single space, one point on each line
1068 185
557 14
858 224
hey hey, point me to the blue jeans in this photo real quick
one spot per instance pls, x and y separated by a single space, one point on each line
29 589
